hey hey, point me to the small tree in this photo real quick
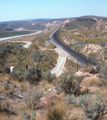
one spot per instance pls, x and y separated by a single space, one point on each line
33 75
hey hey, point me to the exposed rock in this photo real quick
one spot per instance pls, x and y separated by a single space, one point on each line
91 48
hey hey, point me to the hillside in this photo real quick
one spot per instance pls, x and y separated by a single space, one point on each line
98 30
24 24
87 37
3 29
79 23
39 24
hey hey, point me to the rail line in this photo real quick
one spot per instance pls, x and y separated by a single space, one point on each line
76 56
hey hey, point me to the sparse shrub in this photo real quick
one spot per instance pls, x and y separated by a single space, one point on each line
33 75
70 84
16 74
98 68
103 72
36 95
48 76
46 59
7 70
6 86
70 99
55 114
78 101
37 56
94 109
33 115
26 116
103 75
95 70
34 99
7 108
4 49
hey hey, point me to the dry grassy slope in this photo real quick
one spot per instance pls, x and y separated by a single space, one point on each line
49 100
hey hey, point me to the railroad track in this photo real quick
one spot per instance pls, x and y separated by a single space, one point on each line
76 56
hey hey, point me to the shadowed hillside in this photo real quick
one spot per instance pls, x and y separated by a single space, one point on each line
79 23
98 30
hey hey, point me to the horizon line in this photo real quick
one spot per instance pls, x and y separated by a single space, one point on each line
51 18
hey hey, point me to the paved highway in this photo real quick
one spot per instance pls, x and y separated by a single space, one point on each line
7 38
76 56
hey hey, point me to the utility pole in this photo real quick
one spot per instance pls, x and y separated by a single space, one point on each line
87 53
77 65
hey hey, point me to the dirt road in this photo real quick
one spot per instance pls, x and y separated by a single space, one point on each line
58 69
26 45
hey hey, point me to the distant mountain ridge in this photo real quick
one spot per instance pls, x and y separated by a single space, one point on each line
41 24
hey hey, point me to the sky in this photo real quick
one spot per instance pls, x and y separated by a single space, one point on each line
35 9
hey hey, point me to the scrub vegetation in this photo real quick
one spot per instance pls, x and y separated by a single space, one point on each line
31 92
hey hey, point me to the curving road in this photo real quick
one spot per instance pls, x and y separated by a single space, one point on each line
26 45
76 56
58 69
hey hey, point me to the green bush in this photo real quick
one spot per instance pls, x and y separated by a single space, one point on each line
7 108
70 99
33 75
7 70
48 76
16 74
26 116
95 70
46 60
4 49
98 68
94 109
103 75
34 98
37 56
6 86
69 83
78 101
